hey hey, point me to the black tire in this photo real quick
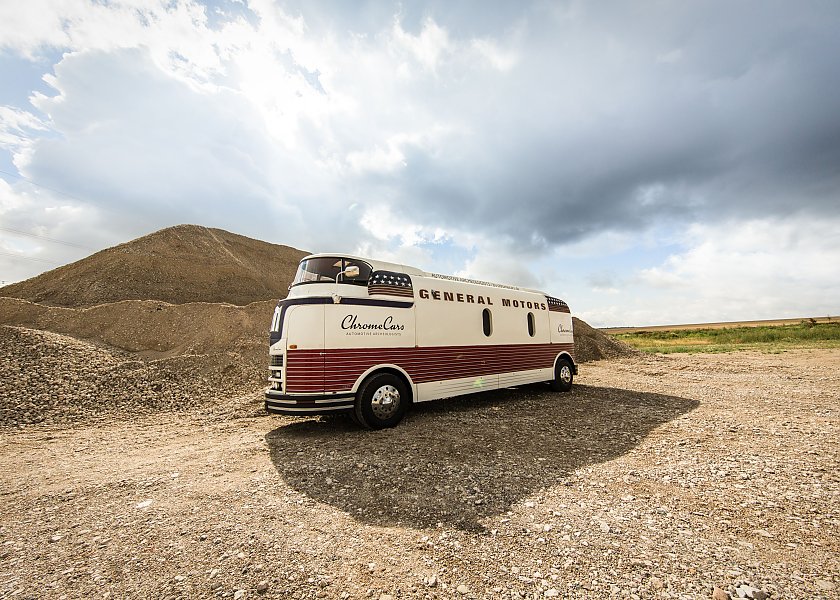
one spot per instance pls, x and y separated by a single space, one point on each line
564 374
381 401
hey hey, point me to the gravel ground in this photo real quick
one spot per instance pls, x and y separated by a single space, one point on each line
692 476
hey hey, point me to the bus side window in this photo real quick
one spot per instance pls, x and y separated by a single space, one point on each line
487 321
532 325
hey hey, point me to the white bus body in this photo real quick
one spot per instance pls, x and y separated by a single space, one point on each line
370 338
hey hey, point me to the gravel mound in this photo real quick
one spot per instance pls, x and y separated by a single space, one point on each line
592 344
152 329
53 378
63 365
185 263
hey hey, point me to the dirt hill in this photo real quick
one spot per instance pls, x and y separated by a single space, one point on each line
593 344
185 263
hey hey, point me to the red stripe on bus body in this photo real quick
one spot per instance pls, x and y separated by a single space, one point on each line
339 369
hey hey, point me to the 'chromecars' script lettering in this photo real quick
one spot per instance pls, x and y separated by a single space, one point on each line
351 322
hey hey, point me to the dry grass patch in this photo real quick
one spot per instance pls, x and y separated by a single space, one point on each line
774 338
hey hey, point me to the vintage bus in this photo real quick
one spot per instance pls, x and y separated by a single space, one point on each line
370 338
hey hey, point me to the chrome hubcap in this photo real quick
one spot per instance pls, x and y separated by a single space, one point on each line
385 402
565 374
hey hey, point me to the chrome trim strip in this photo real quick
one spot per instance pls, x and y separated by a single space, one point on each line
309 409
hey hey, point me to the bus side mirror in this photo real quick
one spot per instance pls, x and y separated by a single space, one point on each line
350 272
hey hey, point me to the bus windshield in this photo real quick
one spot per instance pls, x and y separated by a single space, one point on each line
329 269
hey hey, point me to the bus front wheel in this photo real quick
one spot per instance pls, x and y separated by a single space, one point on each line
381 401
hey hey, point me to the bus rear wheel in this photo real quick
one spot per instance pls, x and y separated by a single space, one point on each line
564 374
381 401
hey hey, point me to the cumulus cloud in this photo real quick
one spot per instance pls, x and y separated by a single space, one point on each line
757 266
18 128
41 231
736 270
138 142
529 142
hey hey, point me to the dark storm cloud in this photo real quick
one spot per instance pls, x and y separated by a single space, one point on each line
619 116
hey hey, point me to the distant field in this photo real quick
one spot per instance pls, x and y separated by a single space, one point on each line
721 325
772 336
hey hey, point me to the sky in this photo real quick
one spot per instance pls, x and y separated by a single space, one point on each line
648 162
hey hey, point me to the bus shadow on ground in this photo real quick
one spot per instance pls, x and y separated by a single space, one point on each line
464 459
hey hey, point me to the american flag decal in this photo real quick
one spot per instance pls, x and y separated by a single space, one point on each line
390 284
557 305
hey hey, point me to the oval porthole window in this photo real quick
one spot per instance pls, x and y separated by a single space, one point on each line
532 325
487 321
